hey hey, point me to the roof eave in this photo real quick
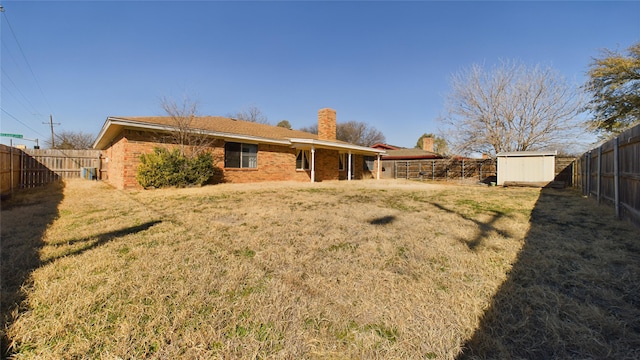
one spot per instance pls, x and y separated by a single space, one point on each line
102 141
296 142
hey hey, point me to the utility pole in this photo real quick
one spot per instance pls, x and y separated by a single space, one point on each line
53 138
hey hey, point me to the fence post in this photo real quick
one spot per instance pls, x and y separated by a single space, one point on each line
616 176
23 172
462 169
11 163
589 180
599 179
433 169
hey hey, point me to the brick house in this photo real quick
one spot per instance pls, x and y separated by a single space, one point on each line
245 151
395 154
400 153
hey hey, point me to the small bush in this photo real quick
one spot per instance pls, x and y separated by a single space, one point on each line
164 168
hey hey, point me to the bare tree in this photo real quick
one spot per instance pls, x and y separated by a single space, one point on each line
358 133
72 140
310 129
511 108
353 132
192 141
251 113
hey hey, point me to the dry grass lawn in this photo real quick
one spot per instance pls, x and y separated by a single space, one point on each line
333 270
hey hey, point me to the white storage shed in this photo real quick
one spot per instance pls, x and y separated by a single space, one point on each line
534 167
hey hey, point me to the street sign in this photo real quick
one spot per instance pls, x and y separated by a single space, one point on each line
17 136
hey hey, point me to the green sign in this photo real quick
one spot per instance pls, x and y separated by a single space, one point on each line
17 136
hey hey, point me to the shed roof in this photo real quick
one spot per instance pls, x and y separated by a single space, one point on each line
526 153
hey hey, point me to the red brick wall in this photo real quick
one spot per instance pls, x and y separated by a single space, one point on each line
357 170
327 164
275 162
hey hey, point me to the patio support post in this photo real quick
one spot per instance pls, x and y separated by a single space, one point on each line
379 166
313 164
349 167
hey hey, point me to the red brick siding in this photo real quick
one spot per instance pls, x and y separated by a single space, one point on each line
358 167
327 163
275 162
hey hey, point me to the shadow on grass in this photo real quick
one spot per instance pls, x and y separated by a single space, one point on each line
101 239
574 291
485 227
384 220
24 218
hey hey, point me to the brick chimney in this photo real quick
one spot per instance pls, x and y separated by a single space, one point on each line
327 124
427 143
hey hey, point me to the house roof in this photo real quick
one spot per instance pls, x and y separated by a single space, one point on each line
228 129
410 154
386 146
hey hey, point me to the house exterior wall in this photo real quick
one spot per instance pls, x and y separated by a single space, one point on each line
357 170
275 162
123 157
525 169
114 162
327 165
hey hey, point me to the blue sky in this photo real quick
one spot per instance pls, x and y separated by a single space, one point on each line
384 63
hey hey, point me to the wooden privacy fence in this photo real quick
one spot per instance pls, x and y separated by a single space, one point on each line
481 170
9 168
440 169
611 174
30 168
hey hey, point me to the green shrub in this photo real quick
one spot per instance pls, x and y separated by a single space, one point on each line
164 168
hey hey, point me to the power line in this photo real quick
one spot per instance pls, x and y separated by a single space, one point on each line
18 120
33 108
25 57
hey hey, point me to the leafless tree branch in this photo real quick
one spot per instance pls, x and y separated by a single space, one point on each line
511 108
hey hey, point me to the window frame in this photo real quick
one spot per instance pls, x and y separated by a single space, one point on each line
369 160
306 155
239 156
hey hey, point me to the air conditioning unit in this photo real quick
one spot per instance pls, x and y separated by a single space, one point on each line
88 173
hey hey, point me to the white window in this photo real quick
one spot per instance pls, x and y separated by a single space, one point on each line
343 162
303 160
